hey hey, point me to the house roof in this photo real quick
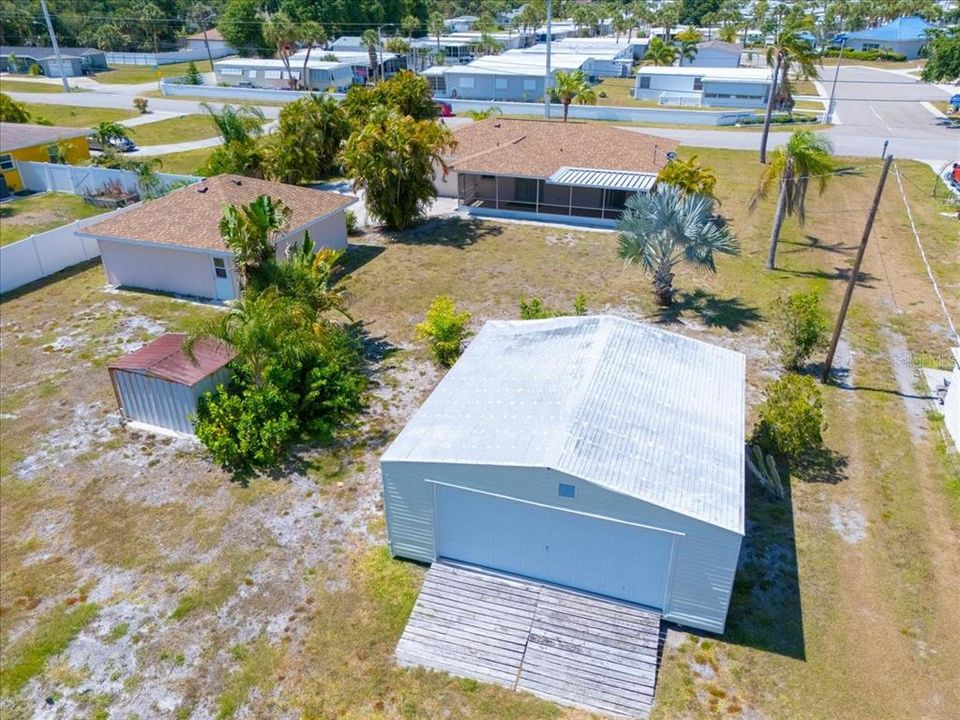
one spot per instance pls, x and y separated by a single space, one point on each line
643 412
41 51
165 359
191 215
539 148
738 74
905 28
212 34
14 136
719 45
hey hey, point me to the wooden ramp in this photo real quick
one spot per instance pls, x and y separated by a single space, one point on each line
575 649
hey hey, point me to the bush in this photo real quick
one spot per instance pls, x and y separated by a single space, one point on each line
140 105
880 54
353 225
12 111
245 427
791 418
445 329
536 310
800 328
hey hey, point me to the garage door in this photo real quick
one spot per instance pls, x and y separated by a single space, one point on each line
579 551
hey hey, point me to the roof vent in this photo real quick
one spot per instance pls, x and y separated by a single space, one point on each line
202 189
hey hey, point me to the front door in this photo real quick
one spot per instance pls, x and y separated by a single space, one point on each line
222 280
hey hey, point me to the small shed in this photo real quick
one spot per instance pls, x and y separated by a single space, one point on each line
593 453
159 385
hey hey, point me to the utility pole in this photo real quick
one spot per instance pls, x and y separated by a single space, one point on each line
855 272
548 78
203 18
833 88
766 119
56 48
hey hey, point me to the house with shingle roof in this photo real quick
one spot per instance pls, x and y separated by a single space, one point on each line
173 244
574 172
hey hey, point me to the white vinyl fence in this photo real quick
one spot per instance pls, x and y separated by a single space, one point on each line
164 58
86 179
666 116
48 252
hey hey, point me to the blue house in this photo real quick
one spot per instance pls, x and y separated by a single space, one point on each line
905 35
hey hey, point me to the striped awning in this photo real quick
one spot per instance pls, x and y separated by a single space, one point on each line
604 179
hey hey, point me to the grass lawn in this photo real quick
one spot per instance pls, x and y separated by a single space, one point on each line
9 85
174 130
136 74
278 597
67 116
26 216
185 163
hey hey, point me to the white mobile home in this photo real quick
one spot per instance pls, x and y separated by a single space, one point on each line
715 53
709 87
598 62
272 73
508 77
568 451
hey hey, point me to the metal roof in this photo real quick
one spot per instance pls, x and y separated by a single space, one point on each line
644 412
606 179
901 29
165 359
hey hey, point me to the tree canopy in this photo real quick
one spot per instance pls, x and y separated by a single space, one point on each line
943 56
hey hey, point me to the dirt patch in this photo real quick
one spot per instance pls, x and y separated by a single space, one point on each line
848 521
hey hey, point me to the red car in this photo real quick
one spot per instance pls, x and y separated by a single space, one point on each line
446 110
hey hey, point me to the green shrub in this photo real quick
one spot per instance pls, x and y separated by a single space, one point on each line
353 225
536 310
879 54
445 329
140 104
800 328
791 418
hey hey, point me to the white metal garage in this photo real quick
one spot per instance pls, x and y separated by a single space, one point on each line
589 452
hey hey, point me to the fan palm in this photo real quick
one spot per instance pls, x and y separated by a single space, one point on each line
806 156
573 86
661 230
660 53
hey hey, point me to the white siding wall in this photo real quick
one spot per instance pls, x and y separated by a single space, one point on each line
659 84
951 406
703 568
172 270
329 232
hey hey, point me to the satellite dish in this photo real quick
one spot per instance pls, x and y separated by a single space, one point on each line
671 155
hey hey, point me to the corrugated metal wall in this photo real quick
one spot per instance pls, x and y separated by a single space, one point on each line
704 564
162 403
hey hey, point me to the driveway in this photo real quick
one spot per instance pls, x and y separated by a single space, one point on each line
572 648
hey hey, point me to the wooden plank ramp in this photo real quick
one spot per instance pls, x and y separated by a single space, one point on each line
575 649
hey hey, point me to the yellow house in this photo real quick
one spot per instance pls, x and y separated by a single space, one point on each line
39 143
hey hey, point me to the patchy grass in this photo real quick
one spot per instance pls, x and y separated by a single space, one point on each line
256 670
188 162
174 130
32 214
213 584
75 116
28 656
136 74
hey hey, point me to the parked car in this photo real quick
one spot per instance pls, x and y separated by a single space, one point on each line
446 109
121 144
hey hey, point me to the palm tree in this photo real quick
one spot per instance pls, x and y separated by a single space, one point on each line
281 32
660 53
311 34
661 230
570 86
251 231
806 156
240 123
107 132
436 27
309 277
371 39
689 176
410 24
793 50
688 51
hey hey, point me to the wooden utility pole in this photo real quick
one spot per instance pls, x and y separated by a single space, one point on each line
766 119
56 47
855 272
781 213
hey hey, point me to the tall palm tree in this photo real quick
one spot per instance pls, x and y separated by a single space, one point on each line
371 39
410 24
573 86
794 51
660 53
311 34
250 231
281 32
436 27
663 229
236 123
806 156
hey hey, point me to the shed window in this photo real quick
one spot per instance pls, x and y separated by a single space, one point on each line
698 83
644 82
272 75
231 71
566 490
500 83
529 84
466 82
220 268
6 162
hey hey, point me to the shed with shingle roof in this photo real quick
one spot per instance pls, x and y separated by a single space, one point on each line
159 384
591 452
173 244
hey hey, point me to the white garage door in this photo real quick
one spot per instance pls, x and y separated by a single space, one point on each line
588 553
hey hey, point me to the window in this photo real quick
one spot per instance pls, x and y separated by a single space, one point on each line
231 71
871 46
6 162
644 82
529 84
53 152
272 74
500 83
220 268
698 83
466 82
566 490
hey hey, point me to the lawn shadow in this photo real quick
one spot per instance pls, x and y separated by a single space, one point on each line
49 279
452 231
765 608
821 465
728 313
356 256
